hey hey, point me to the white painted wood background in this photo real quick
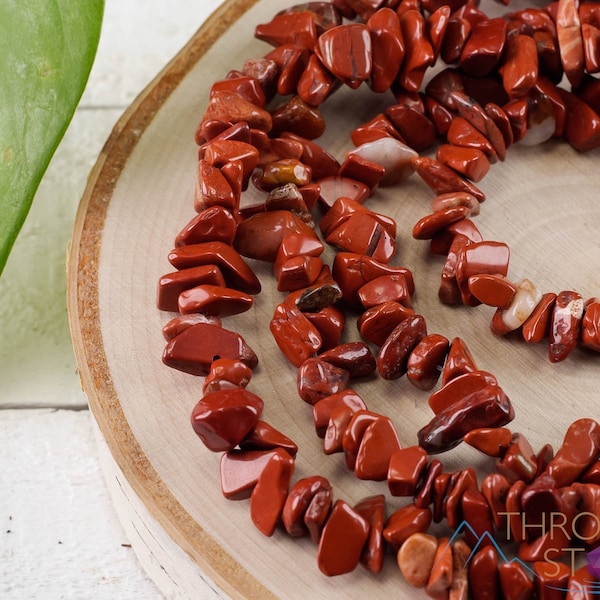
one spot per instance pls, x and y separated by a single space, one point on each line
59 534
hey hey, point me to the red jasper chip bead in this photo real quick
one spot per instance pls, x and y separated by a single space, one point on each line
317 513
214 300
515 583
230 107
404 522
213 224
377 323
316 83
314 156
406 468
387 48
487 407
442 483
342 540
323 409
458 388
298 272
492 442
462 133
484 47
222 419
495 487
297 338
565 325
270 492
213 189
470 162
377 445
478 258
483 572
354 357
460 482
177 324
171 285
518 461
221 152
339 419
240 470
459 361
236 272
346 51
392 360
329 322
548 578
579 450
362 233
492 289
425 362
361 169
425 487
430 225
414 127
352 270
299 499
318 379
442 242
226 372
442 179
246 86
475 510
386 288
419 54
297 27
266 437
440 578
261 235
353 434
580 583
590 326
291 59
373 510
197 346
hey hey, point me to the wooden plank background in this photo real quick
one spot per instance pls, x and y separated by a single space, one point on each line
59 533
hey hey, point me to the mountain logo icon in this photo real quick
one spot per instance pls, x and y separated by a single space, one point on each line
591 586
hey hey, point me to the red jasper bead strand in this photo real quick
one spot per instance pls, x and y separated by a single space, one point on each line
243 141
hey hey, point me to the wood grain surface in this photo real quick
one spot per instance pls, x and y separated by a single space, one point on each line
542 201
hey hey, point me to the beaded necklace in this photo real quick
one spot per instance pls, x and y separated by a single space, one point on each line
241 144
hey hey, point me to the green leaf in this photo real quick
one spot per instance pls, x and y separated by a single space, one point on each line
47 48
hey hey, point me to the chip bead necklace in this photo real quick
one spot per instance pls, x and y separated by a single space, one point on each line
499 86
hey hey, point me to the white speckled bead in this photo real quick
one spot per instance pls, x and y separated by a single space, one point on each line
526 299
391 154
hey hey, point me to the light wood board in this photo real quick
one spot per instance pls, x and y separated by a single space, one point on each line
542 201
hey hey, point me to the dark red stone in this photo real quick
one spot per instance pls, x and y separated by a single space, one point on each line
197 346
224 418
236 272
372 509
298 500
488 407
392 360
318 379
295 335
270 492
342 540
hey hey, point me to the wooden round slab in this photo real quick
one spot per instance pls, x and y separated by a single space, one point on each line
542 201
